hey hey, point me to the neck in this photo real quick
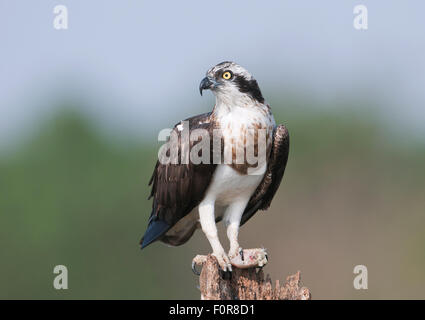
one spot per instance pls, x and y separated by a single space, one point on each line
227 103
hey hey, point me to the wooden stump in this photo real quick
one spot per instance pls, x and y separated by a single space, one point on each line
247 284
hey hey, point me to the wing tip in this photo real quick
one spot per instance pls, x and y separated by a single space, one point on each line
154 231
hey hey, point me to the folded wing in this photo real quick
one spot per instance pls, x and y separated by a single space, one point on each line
263 195
178 188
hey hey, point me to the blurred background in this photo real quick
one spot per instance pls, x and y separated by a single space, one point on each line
80 110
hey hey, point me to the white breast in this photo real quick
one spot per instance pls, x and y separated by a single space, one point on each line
235 120
227 184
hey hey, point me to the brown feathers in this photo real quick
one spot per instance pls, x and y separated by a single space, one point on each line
263 195
178 188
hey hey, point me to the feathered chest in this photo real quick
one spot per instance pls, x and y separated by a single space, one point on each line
246 134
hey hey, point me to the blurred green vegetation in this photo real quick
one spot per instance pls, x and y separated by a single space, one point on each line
353 193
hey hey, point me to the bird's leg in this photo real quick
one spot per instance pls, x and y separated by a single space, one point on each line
207 219
232 219
232 234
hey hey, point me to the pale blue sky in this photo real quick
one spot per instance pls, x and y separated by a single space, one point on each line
135 61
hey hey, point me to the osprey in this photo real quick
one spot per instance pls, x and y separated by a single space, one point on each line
188 196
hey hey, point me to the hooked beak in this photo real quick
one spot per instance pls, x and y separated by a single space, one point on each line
205 84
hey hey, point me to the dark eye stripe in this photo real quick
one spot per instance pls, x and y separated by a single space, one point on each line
249 87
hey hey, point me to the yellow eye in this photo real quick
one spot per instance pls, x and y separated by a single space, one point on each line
227 75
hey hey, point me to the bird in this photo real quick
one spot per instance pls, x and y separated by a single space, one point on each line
190 196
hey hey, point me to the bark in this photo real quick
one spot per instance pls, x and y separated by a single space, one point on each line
247 284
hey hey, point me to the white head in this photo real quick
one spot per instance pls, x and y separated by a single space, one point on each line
232 84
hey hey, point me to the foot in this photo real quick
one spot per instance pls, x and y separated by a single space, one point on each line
201 259
235 251
248 258
223 260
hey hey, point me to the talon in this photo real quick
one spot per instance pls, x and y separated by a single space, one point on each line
223 261
241 254
261 264
199 259
194 269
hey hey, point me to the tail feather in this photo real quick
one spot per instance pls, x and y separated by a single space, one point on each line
155 230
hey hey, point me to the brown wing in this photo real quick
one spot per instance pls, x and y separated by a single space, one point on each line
178 188
263 195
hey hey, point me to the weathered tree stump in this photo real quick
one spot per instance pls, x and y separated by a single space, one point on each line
247 284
